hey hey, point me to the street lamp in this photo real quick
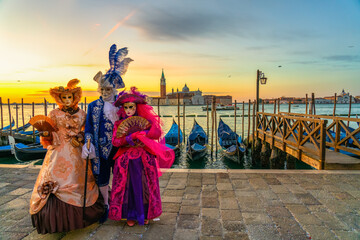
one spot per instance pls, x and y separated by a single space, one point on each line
262 79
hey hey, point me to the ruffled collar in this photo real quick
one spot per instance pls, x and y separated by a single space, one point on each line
70 110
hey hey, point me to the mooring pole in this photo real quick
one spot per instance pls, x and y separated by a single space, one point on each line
10 116
22 112
179 127
184 132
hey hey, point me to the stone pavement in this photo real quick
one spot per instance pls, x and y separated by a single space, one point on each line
215 204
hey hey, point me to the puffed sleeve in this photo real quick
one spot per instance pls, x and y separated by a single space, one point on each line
154 132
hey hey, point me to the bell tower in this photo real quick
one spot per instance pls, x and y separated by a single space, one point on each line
162 85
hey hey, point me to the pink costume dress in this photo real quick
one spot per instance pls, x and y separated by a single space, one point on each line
135 191
56 203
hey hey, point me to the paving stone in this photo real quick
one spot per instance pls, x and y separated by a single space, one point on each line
80 233
236 235
159 232
195 210
186 234
256 218
171 207
259 183
343 196
228 203
224 186
231 215
348 235
167 199
294 188
288 198
288 226
319 232
351 219
241 184
208 202
240 193
307 199
267 194
211 227
12 235
238 176
279 189
278 211
234 226
226 194
321 194
211 213
6 198
263 232
192 202
188 221
35 236
206 181
167 218
194 183
308 219
297 209
331 221
209 194
211 238
272 181
173 193
110 232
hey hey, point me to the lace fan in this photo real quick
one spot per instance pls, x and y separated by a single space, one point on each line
43 123
131 125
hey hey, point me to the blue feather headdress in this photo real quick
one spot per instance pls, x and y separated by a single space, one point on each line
118 67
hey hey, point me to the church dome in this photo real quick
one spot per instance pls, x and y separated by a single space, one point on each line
185 88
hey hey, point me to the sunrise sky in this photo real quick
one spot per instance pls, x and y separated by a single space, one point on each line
303 46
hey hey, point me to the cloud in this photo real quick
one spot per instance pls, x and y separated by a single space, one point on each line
343 58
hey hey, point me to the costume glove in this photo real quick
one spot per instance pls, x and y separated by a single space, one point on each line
88 152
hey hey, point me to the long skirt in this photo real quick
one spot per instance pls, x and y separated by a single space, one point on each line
58 216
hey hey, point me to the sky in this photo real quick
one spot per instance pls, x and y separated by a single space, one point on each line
302 46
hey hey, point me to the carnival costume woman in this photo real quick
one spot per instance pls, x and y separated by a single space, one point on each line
135 194
56 203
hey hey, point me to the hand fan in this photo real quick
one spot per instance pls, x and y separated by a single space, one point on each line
131 125
43 123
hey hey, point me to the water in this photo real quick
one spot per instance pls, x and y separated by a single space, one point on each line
168 113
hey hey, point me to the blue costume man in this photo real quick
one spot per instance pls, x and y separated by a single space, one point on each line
100 119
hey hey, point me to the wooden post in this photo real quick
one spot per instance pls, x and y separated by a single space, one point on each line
33 114
313 103
85 104
274 106
289 106
249 123
334 111
212 125
158 105
349 111
322 143
306 104
235 117
263 107
22 112
242 121
253 126
184 121
278 105
179 127
54 106
207 118
17 116
45 107
2 115
10 116
215 129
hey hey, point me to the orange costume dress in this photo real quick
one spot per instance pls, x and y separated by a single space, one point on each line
56 203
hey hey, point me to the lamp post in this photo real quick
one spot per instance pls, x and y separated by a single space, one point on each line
262 79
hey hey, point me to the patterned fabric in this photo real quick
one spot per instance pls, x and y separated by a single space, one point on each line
98 129
63 170
120 176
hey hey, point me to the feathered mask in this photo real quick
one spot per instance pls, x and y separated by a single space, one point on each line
70 88
132 96
118 67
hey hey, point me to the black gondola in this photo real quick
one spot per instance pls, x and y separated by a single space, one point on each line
230 142
197 143
172 138
28 153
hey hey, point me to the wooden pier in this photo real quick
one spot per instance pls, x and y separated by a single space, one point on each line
313 139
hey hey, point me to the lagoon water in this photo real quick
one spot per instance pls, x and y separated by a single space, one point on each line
168 113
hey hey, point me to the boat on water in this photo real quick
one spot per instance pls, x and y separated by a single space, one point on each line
172 138
7 128
29 153
220 107
231 143
197 143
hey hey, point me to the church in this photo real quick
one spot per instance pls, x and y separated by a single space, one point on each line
185 95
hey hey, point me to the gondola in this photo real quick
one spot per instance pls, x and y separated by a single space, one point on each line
29 153
171 138
197 143
7 128
230 142
22 128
